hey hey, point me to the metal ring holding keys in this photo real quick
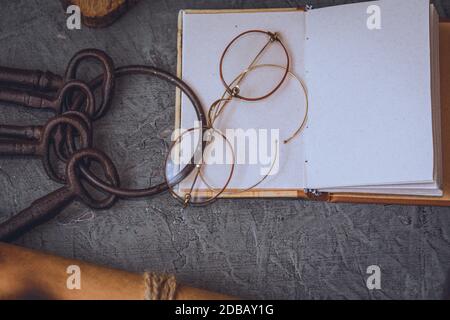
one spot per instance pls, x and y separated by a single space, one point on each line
152 71
52 204
41 147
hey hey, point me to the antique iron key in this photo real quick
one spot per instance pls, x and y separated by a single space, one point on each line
52 204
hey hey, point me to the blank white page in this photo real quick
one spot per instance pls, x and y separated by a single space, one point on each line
370 120
205 36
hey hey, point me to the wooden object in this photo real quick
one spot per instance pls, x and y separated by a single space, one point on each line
28 274
100 13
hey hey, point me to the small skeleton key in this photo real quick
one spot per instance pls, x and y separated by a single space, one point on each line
41 101
35 131
52 204
63 139
40 147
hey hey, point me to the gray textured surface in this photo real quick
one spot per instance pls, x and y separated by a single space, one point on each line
250 248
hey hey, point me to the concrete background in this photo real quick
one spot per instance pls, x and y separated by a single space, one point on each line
282 249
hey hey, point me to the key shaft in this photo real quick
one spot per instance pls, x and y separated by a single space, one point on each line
21 132
38 212
33 79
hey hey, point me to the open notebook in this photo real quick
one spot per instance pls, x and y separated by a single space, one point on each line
374 121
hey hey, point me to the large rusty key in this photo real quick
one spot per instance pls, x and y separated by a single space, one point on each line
42 138
52 204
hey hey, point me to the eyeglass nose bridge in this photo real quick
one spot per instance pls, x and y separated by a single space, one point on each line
274 36
234 92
